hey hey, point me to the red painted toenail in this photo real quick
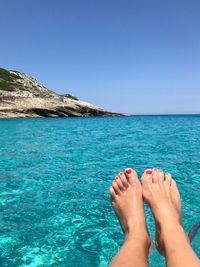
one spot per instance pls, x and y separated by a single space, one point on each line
116 177
121 173
128 171
148 172
155 169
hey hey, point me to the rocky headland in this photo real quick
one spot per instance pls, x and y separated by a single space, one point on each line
23 96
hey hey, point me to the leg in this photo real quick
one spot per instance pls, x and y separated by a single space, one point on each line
163 197
127 202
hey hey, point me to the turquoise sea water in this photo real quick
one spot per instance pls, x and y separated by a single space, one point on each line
54 181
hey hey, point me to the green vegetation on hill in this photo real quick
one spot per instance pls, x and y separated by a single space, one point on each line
71 96
7 80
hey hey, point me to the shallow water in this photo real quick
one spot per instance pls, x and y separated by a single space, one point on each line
55 175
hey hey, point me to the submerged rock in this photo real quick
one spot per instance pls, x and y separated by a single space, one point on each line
23 96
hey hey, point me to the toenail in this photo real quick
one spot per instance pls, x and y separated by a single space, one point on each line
128 171
148 172
155 169
121 173
116 177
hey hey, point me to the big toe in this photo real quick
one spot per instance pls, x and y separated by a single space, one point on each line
132 177
147 178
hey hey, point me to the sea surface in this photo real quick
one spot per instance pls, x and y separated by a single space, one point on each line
55 176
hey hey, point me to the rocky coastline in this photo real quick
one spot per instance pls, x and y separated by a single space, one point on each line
22 96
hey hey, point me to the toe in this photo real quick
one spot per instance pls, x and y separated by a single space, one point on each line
116 188
132 176
112 193
123 179
155 176
119 183
147 177
160 176
173 184
174 189
168 179
176 196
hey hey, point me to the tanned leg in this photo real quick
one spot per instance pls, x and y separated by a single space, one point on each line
162 195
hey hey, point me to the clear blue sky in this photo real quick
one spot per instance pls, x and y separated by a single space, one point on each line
136 57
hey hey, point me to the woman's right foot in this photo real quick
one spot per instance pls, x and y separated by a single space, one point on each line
162 195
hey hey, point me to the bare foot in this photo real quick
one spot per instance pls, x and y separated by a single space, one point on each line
162 195
127 202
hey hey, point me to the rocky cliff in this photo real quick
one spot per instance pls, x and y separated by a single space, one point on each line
23 96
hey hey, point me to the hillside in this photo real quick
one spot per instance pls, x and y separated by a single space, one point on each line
23 96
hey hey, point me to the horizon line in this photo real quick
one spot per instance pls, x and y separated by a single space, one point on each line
165 114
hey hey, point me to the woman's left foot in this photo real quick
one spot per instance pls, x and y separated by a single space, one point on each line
127 202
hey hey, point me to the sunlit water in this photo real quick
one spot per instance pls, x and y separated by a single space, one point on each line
54 181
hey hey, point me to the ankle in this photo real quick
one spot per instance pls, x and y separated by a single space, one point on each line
168 223
170 227
173 232
134 229
139 237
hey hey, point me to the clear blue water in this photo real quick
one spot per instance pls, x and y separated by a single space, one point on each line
54 181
